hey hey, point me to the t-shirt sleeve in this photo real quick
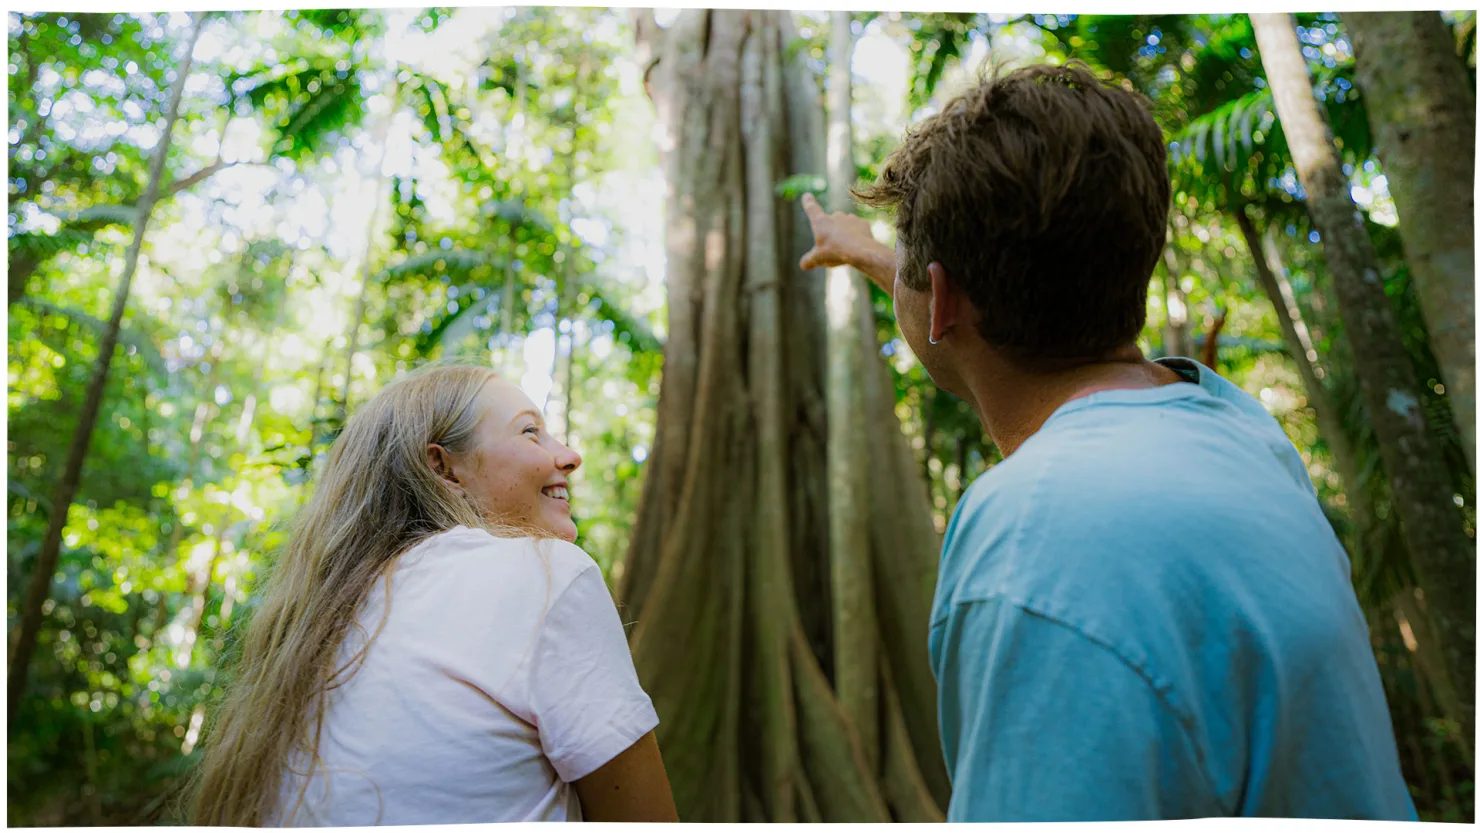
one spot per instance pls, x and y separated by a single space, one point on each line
1041 723
583 690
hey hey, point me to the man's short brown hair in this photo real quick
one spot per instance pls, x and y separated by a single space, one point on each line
1044 195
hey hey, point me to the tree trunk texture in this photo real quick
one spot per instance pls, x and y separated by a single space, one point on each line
1427 659
1174 335
1443 555
39 591
850 322
729 573
1297 339
1423 116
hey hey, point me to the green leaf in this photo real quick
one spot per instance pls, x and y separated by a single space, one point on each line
793 187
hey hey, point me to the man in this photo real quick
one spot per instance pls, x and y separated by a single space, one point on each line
1142 612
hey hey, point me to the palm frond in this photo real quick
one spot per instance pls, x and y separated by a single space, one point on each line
127 336
517 213
626 327
315 96
452 261
1241 142
105 214
455 328
44 246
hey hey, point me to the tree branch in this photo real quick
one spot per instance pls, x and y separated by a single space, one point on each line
190 181
649 37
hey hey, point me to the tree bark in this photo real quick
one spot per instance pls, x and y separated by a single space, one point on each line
1443 555
1429 661
1423 116
732 546
200 593
192 460
1297 339
849 320
46 562
1174 336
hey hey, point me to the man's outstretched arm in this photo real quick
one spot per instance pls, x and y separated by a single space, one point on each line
843 239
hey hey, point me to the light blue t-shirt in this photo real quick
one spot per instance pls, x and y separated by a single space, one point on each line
1143 613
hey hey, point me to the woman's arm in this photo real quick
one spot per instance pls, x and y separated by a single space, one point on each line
630 787
843 239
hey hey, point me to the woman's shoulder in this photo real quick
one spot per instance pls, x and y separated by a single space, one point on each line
477 555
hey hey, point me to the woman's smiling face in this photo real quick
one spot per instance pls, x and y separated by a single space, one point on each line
514 470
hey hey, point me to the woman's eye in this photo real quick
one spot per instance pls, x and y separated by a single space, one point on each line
533 429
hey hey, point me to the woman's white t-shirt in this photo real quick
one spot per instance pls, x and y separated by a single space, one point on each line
499 676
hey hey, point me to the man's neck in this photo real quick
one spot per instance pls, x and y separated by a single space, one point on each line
1013 403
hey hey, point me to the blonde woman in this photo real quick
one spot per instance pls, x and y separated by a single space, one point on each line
431 647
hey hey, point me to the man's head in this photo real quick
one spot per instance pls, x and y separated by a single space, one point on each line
1041 198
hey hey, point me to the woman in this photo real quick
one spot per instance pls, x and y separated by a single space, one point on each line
431 648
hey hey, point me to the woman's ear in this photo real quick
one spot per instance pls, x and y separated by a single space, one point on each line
441 462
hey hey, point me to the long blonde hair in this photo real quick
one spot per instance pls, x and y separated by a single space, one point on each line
377 497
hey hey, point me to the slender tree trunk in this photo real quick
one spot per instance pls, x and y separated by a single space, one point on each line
192 460
1443 554
1297 338
367 270
46 562
565 311
1423 114
732 544
849 321
568 384
1429 661
22 264
961 481
927 431
200 593
1174 336
506 310
201 582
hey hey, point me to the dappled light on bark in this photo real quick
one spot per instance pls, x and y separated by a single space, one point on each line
728 573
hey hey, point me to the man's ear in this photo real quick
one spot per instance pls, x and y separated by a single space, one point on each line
441 462
945 303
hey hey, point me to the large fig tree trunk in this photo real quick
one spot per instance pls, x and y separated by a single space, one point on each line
1423 112
1443 555
728 577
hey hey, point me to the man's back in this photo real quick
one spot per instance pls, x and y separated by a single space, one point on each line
1143 613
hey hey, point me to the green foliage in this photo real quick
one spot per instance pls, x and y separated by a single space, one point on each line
232 359
793 187
309 101
939 38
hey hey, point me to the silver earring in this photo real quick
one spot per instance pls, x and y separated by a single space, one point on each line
933 341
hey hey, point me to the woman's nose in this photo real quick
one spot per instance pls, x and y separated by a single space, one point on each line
567 460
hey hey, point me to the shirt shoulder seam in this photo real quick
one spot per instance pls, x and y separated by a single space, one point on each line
1159 691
